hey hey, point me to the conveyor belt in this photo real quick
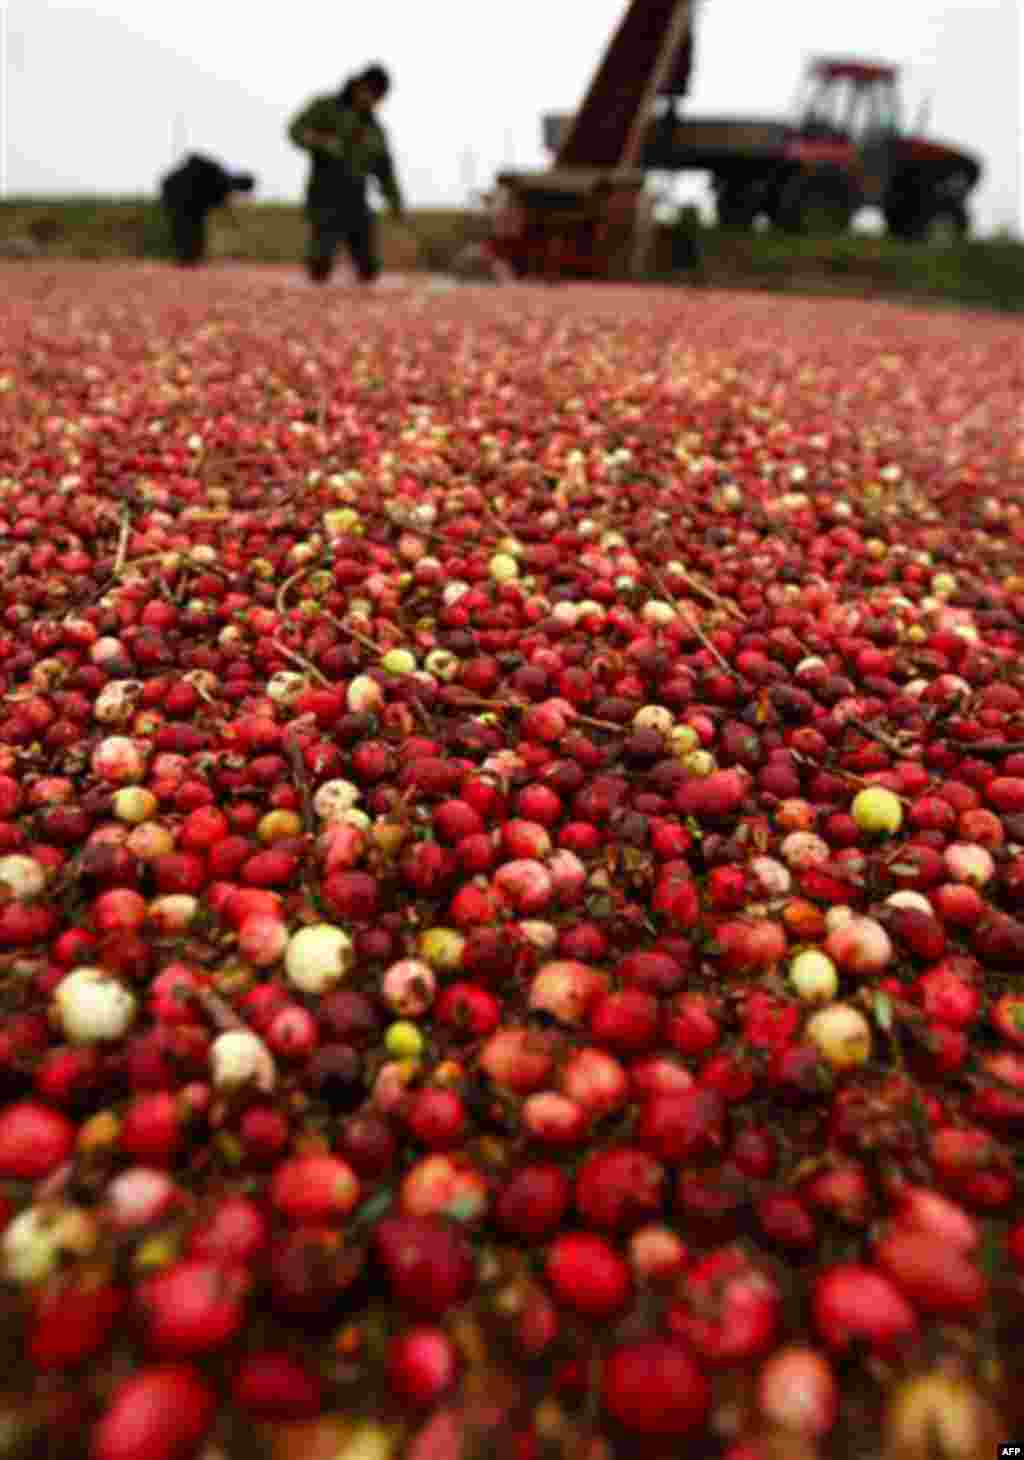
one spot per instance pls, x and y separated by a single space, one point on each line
636 67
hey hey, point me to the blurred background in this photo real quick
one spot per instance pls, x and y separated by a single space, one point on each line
102 97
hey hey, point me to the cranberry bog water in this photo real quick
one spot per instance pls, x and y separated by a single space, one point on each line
511 933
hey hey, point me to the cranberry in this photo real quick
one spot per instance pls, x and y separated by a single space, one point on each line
34 1141
435 1118
335 1074
680 1126
274 1387
351 1018
421 1365
429 1267
192 1307
312 1189
532 1202
853 1303
367 1142
160 1413
653 1387
937 1278
619 1188
625 1021
587 1274
234 1233
731 1311
72 1322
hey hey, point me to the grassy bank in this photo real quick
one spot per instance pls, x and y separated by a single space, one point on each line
130 228
984 274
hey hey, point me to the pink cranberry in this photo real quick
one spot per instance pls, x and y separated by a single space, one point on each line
192 1307
421 1365
160 1413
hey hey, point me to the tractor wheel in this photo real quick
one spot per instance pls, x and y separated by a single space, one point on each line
943 226
939 224
899 223
737 205
815 203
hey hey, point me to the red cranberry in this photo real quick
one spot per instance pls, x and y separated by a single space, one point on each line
588 1275
934 1276
435 1118
731 1310
274 1387
192 1307
429 1267
421 1365
653 1387
532 1202
619 1188
368 1144
853 1303
678 1127
161 1413
34 1141
351 1018
71 1322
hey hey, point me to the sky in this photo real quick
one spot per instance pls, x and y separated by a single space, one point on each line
102 97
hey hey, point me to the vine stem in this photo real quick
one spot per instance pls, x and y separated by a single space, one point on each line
698 587
345 628
416 528
218 1010
128 565
474 702
850 777
598 724
995 749
698 630
282 592
299 771
504 527
122 541
303 662
872 734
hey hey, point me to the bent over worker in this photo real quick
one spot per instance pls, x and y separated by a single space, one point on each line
189 194
347 146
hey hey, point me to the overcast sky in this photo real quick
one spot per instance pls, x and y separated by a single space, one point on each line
101 96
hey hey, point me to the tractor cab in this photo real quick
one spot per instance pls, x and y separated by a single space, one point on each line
847 122
855 102
852 150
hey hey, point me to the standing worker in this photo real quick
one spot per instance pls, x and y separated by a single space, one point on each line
348 146
192 191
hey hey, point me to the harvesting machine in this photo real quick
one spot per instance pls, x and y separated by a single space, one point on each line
845 148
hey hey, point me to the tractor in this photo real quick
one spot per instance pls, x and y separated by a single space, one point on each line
846 150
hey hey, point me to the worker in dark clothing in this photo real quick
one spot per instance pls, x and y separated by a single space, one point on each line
191 192
347 146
